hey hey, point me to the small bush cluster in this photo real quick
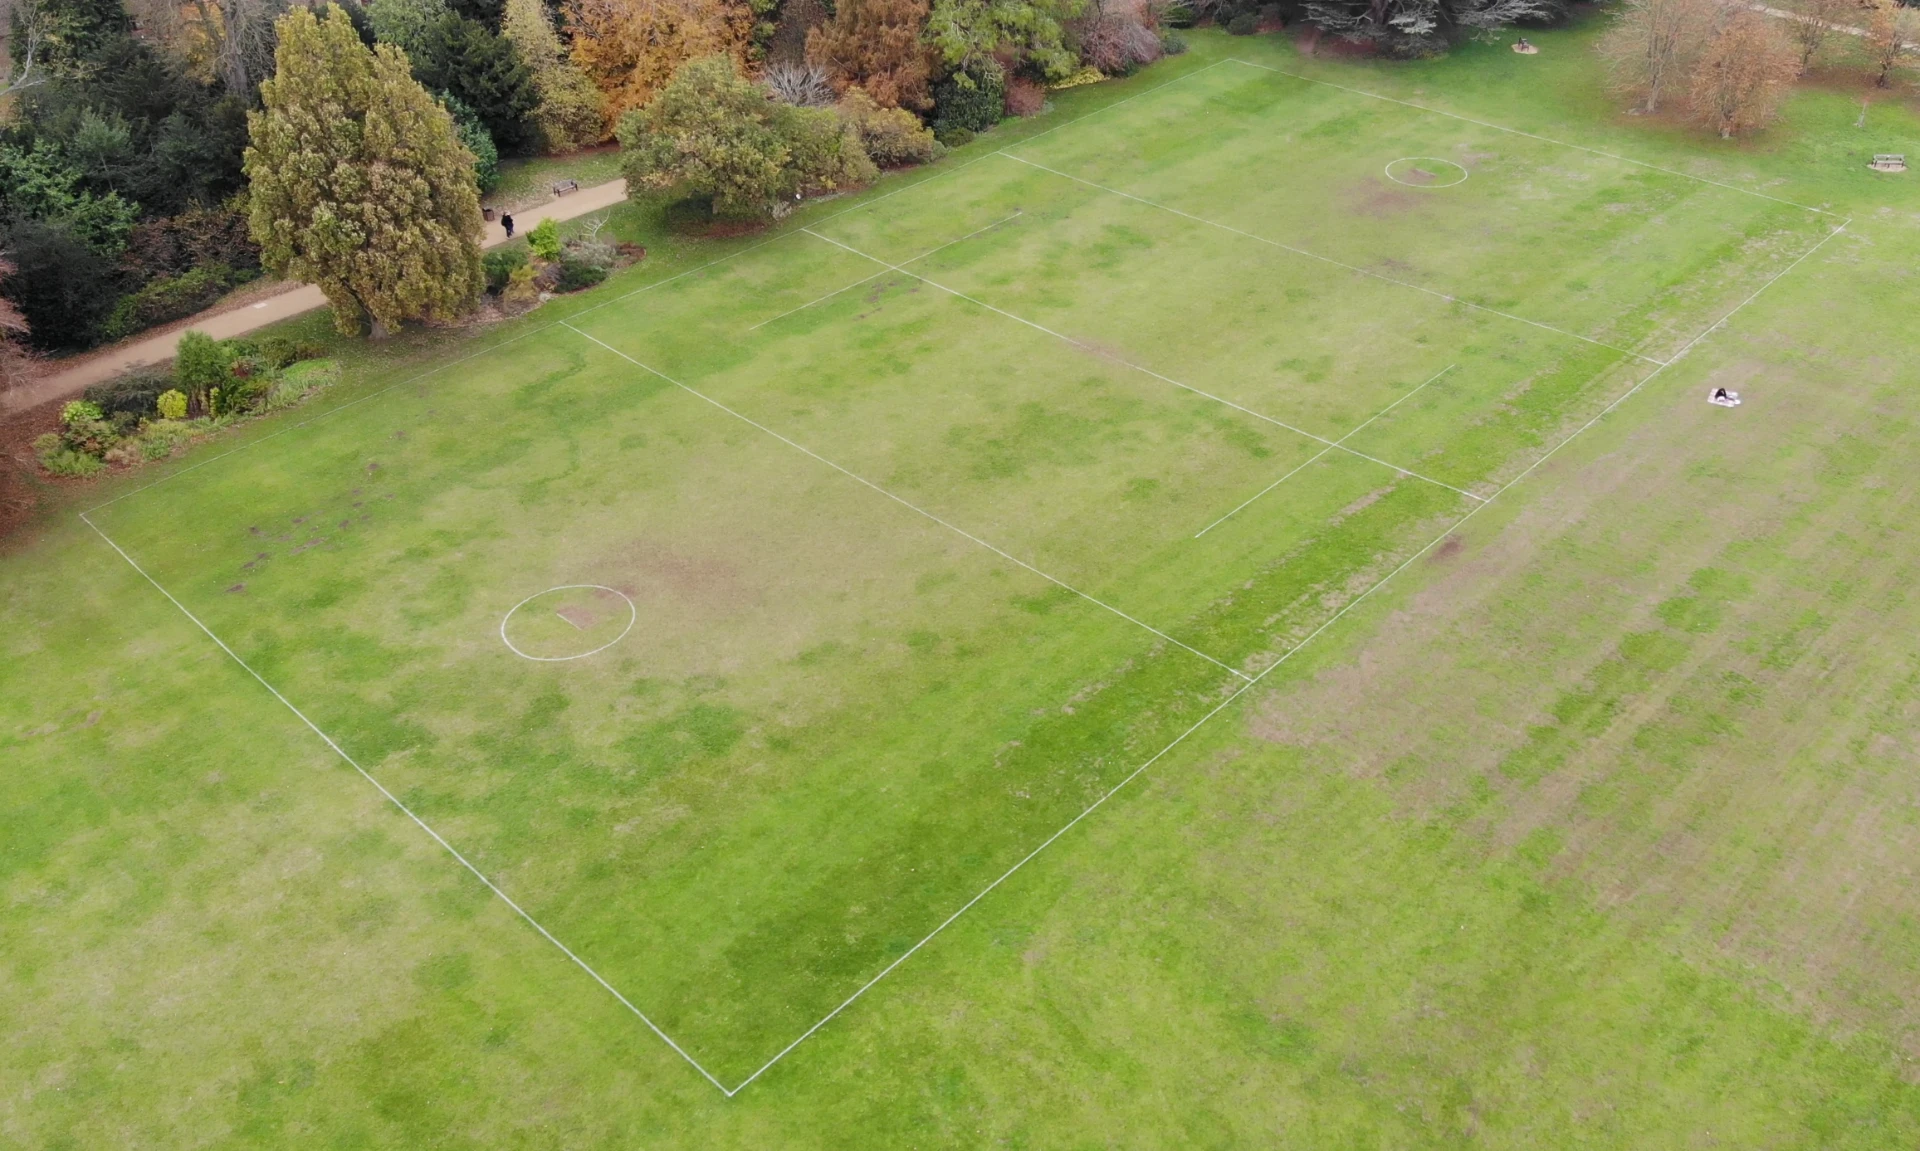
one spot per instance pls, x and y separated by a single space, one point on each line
550 264
167 298
892 137
149 414
969 101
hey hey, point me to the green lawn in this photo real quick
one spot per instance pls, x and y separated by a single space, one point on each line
892 541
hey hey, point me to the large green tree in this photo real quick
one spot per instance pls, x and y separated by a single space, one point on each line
462 58
572 113
714 133
359 183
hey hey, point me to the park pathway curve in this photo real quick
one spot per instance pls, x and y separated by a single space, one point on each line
294 301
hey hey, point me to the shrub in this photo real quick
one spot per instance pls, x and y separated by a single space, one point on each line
61 460
301 380
200 364
130 395
824 154
545 239
1245 24
972 99
171 404
1176 14
1119 37
891 136
520 287
167 298
1024 97
1172 44
954 137
162 438
278 352
576 273
81 411
499 264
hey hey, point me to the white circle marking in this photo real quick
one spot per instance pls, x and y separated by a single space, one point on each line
1431 160
633 616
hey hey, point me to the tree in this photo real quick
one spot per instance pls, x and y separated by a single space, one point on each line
405 23
13 333
462 58
1892 31
60 35
879 45
1742 73
571 113
475 138
1816 22
632 48
359 184
970 34
1652 43
713 133
1421 27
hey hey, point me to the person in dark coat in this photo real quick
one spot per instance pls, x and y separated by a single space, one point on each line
507 223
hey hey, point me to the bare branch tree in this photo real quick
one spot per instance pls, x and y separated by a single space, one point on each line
1651 44
1815 23
23 19
1891 33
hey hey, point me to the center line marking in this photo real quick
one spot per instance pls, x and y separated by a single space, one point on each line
1105 355
916 509
1323 451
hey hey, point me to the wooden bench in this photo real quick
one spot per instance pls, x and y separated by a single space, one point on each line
1889 162
563 187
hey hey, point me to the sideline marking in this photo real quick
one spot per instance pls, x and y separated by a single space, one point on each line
404 809
1323 451
883 271
633 616
1287 655
1533 136
1136 367
857 477
1451 299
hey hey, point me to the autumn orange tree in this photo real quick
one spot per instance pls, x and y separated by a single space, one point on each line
1892 31
631 48
879 45
1742 73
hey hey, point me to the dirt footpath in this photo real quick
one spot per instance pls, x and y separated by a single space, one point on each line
155 348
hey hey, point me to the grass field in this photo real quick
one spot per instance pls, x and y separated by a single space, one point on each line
1170 433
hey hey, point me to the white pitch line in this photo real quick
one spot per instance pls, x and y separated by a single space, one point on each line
1323 451
1532 136
883 271
1284 657
915 508
1136 367
570 623
1354 268
404 809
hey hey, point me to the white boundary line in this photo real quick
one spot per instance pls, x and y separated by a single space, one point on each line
1531 136
1285 656
883 271
1355 268
404 809
916 509
1136 367
1323 451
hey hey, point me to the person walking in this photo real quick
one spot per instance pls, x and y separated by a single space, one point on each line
506 222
